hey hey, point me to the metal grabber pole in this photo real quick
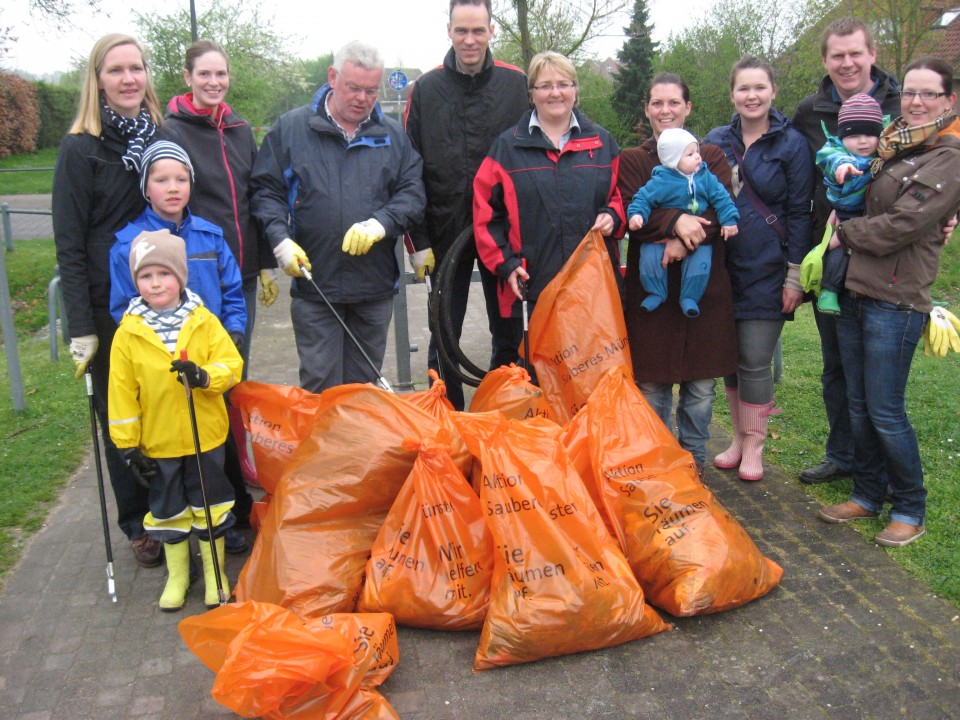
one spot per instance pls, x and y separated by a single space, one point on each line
435 332
221 595
526 325
381 380
111 582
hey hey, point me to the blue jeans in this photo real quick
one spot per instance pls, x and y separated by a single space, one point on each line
839 448
694 412
878 341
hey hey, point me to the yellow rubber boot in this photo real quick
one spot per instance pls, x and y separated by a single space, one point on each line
210 598
178 576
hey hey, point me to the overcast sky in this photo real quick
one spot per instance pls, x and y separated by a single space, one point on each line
408 32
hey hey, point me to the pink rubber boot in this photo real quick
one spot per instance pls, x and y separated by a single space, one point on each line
730 458
754 421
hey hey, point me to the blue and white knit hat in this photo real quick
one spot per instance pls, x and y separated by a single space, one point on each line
162 150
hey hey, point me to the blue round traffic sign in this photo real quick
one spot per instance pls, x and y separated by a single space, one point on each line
397 80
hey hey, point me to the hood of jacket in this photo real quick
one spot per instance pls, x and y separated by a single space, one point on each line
320 98
778 123
220 117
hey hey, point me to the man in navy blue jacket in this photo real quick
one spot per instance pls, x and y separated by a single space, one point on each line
331 181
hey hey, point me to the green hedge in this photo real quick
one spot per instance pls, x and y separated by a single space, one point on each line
58 105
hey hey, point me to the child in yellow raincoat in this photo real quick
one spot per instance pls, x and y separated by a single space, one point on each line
149 416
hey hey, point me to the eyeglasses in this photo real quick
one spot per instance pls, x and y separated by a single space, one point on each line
925 95
356 90
550 87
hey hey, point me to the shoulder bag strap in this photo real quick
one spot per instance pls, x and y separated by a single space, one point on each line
761 207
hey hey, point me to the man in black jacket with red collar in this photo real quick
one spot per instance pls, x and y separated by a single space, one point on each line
454 114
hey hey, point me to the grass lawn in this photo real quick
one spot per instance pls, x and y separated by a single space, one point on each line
41 447
28 182
798 435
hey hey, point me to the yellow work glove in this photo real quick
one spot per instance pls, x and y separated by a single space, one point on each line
941 335
361 237
269 290
290 256
422 262
811 269
82 349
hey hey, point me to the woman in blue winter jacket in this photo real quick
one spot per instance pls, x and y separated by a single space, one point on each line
773 183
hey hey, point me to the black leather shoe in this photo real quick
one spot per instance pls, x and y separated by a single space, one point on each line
234 541
822 473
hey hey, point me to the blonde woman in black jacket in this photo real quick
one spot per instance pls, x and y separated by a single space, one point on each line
96 191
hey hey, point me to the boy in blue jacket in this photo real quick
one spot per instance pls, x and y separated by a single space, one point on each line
683 182
845 161
166 178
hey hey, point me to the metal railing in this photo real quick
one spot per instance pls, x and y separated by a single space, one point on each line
56 307
54 301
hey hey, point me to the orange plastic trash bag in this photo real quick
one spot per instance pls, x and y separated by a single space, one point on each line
509 390
432 561
577 329
278 418
339 485
434 401
560 584
270 664
575 439
690 555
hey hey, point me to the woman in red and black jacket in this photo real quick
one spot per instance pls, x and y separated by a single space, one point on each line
543 186
222 149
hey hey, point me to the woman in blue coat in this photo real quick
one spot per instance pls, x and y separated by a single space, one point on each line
773 183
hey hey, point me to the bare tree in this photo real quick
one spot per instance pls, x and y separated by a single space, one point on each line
526 27
60 11
904 29
704 53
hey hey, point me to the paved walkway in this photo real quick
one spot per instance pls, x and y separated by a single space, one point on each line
26 225
847 635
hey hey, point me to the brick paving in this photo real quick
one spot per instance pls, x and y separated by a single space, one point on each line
847 635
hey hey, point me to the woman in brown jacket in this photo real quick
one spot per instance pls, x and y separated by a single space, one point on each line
669 348
894 255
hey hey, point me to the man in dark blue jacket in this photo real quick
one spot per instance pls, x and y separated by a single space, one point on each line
455 113
331 181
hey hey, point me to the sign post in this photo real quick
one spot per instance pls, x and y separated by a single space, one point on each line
398 81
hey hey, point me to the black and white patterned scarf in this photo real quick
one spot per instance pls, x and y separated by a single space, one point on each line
138 132
166 323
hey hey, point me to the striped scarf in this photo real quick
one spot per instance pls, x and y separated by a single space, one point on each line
165 323
138 132
899 138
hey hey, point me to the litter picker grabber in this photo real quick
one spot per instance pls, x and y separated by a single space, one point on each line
111 583
381 380
429 281
221 595
528 366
